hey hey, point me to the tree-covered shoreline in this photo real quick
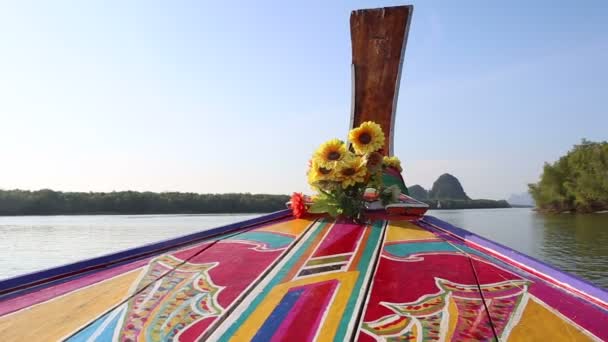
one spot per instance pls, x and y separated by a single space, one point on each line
467 204
447 193
577 182
49 202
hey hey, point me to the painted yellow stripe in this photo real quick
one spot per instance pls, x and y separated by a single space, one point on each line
60 317
540 324
291 227
405 230
452 320
329 260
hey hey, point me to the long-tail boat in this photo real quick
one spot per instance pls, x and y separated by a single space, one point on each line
399 277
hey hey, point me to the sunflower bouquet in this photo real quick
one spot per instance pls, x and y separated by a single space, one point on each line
346 179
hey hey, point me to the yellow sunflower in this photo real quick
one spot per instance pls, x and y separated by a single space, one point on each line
366 138
318 173
351 171
330 152
392 162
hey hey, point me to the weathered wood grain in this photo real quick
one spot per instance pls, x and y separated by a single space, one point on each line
379 37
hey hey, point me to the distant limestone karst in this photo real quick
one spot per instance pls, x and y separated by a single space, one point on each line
418 192
448 187
448 193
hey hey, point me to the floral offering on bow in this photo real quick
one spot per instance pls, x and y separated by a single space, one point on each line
298 204
348 177
392 162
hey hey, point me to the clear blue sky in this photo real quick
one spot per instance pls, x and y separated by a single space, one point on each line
229 96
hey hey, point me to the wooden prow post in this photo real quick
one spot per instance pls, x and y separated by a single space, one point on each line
379 37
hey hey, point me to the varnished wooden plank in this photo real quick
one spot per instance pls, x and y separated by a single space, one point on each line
379 37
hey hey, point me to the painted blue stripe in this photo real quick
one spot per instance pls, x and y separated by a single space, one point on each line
405 249
271 239
19 285
105 335
273 322
83 335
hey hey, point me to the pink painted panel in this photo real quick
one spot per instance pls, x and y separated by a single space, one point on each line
342 238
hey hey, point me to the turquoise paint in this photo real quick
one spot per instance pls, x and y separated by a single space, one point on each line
275 281
107 332
84 335
272 240
406 249
363 267
494 260
391 179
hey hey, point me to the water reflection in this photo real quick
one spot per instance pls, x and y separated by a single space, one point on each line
577 244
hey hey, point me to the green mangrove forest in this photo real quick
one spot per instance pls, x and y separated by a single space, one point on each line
49 202
577 182
446 193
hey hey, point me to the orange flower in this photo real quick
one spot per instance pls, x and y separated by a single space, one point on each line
298 205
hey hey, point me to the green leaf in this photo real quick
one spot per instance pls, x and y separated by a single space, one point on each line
318 207
333 211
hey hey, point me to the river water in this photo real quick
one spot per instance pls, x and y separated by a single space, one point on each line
574 243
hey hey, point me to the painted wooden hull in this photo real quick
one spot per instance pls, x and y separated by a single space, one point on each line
280 278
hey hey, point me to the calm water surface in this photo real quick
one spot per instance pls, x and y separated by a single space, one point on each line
574 243
30 243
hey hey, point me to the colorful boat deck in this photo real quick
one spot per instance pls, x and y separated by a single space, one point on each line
285 279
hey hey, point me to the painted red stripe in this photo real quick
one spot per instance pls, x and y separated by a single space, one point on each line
342 238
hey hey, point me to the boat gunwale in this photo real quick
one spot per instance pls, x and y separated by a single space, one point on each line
37 280
562 279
